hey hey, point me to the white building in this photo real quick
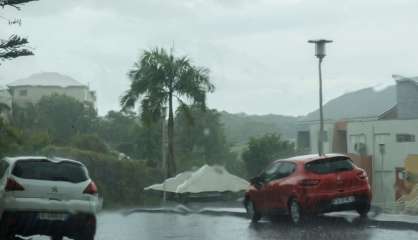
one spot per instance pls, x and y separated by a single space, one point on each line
387 137
389 142
36 86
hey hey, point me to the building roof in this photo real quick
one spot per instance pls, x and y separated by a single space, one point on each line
47 79
400 78
366 103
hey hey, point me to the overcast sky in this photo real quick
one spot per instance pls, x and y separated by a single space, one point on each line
256 50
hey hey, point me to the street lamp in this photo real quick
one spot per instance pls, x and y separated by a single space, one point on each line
320 54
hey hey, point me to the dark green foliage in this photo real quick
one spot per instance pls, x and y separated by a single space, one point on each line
10 138
124 132
120 183
262 151
14 3
55 119
64 117
35 141
15 46
90 142
158 79
202 140
118 127
239 128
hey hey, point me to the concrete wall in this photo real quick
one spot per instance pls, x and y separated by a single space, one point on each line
314 135
5 97
407 99
35 93
379 135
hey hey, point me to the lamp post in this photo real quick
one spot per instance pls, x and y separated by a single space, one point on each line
320 54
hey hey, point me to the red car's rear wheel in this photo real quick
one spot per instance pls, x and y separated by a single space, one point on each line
295 212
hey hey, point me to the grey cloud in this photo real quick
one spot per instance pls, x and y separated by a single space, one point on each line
256 50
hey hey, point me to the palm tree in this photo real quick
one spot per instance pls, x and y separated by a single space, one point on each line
158 79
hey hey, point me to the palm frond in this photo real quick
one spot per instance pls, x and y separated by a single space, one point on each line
186 110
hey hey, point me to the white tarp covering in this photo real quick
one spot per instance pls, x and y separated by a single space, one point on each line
205 179
171 184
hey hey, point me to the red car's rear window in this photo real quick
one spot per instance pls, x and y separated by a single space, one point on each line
330 165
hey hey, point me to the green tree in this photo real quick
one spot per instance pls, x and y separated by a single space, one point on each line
14 46
124 132
64 117
118 127
10 138
158 79
89 142
261 151
202 138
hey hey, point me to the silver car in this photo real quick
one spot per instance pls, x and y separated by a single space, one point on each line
47 196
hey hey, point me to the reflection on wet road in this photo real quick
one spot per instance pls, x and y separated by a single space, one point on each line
172 226
159 226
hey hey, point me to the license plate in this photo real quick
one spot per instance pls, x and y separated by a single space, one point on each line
52 216
343 200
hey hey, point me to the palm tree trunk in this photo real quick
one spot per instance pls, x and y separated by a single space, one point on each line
171 168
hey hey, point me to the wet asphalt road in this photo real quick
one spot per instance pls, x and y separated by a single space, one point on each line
163 226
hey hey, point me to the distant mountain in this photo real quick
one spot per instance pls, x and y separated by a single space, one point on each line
363 103
366 102
239 127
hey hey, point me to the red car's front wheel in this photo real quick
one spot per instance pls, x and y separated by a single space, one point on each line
252 211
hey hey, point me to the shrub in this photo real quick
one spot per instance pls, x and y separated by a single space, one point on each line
89 142
121 183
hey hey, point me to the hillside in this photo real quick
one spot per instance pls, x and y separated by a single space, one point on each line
240 127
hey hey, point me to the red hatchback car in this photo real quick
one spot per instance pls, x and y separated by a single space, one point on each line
308 185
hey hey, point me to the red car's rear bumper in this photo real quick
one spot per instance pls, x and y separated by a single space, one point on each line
313 202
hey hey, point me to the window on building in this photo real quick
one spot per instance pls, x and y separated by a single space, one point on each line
23 92
358 144
303 139
404 137
325 136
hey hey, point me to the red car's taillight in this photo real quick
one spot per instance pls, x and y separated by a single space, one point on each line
309 182
91 189
362 175
12 185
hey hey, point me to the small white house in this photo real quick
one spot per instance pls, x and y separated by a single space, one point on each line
389 142
387 135
33 88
